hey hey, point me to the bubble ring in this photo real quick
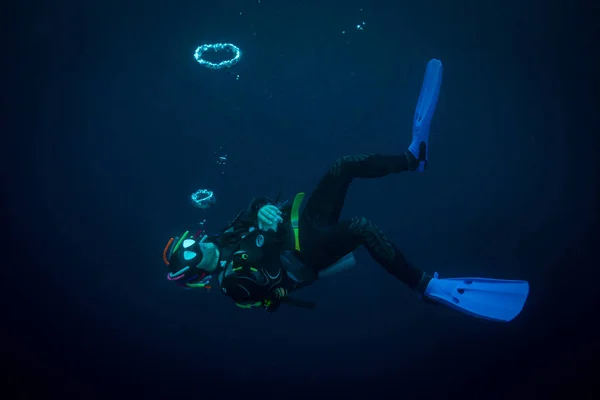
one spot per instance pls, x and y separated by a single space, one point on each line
218 47
203 198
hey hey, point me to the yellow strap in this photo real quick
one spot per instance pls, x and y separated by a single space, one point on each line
198 285
252 269
294 217
257 304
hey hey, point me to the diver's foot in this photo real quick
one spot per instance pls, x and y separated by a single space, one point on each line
422 287
416 157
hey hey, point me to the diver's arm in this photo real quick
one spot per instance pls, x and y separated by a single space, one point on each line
244 220
248 216
246 294
281 295
243 291
273 266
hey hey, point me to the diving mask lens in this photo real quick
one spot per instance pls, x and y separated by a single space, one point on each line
192 253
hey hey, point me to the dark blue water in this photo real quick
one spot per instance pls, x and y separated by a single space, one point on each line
115 125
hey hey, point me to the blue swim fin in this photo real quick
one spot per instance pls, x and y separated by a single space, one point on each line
428 98
494 299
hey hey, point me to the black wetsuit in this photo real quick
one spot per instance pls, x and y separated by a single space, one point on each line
324 239
252 271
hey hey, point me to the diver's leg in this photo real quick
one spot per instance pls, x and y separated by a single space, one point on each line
325 204
345 236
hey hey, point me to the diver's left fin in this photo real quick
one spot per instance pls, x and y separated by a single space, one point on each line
430 91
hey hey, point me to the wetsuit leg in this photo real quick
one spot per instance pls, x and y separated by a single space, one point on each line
325 240
325 204
329 244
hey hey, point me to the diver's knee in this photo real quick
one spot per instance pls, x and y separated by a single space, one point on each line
372 237
358 225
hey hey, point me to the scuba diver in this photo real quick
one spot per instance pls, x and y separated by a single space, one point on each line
271 249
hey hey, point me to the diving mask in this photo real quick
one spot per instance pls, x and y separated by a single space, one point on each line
183 256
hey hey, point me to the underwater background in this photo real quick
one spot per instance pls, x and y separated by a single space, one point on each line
113 124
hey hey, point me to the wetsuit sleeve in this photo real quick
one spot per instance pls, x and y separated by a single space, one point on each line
248 294
249 215
246 291
243 291
274 267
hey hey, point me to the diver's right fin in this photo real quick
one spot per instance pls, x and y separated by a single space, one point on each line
428 98
493 299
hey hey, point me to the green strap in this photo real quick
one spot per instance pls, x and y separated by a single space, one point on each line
180 241
294 218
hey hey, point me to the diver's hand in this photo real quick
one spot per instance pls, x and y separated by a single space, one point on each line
273 300
269 217
272 306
